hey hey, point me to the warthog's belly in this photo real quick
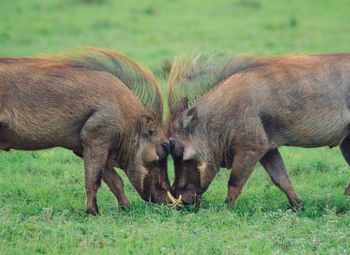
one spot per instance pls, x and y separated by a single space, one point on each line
309 130
323 141
38 139
331 135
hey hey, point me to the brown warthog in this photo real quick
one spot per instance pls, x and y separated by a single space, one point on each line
97 103
236 112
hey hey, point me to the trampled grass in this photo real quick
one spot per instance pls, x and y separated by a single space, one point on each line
42 194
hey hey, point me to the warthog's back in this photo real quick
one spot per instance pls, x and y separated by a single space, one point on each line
43 106
301 101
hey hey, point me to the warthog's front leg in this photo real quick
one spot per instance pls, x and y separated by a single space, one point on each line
115 184
242 167
97 135
95 156
274 166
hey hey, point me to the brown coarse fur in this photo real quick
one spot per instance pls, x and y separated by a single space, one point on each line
97 103
198 76
245 111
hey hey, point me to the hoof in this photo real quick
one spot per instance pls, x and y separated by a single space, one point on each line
124 206
297 207
92 211
229 202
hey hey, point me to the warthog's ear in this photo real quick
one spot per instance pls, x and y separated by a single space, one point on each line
146 125
181 105
190 120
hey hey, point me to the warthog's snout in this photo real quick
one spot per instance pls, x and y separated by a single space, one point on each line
172 142
166 148
189 195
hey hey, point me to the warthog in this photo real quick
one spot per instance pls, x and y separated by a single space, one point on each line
97 103
238 111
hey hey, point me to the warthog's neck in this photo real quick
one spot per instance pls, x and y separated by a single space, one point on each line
125 148
217 128
213 142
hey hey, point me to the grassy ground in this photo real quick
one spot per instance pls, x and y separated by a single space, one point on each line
42 195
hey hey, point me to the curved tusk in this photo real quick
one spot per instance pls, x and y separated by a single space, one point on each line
172 199
178 202
175 202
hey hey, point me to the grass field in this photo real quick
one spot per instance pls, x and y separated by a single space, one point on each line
42 194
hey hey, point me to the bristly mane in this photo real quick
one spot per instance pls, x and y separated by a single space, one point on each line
138 79
196 77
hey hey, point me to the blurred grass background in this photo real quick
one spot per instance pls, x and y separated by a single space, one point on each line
42 194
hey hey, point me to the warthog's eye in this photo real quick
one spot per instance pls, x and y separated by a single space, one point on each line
2 126
177 154
159 186
175 149
153 163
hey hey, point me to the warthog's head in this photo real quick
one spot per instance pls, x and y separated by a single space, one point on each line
143 147
147 168
197 135
194 162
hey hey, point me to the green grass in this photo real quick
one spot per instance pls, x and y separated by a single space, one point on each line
42 194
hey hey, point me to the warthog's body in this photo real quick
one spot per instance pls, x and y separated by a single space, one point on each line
83 105
39 110
296 101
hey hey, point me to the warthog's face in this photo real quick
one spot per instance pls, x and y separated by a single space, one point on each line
148 168
193 170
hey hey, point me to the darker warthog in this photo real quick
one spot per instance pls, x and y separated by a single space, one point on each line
235 113
99 104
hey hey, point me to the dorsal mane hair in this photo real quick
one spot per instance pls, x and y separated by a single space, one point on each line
138 79
197 76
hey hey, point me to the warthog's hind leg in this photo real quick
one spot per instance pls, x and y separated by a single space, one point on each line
115 184
3 136
345 149
274 166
